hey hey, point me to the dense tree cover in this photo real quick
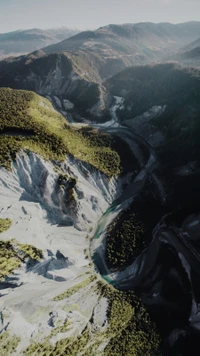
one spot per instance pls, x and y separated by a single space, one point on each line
125 240
29 121
129 330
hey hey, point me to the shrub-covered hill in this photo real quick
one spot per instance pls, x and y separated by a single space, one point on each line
28 121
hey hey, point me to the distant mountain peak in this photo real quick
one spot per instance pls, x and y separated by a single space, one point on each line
24 41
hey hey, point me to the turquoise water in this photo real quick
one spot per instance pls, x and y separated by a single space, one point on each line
103 221
108 279
98 232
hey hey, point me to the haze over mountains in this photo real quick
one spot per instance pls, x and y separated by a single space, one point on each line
143 33
188 55
118 46
101 168
25 41
130 44
75 68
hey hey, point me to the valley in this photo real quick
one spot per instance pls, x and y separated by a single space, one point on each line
99 193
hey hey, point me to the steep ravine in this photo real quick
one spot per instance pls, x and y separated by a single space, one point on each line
165 275
34 198
59 304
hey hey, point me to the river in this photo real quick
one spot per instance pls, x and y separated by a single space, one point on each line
145 271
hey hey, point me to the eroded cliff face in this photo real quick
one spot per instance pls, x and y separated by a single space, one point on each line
73 87
71 194
67 76
55 208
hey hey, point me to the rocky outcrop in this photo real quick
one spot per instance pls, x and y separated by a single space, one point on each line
54 208
34 179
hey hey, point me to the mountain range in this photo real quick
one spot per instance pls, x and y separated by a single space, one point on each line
76 68
99 198
129 44
188 55
25 41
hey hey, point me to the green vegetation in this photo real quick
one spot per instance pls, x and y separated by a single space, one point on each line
124 240
5 224
31 251
63 347
130 329
75 289
28 121
8 343
60 329
12 254
9 259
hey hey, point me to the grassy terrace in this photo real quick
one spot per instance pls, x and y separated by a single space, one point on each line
28 121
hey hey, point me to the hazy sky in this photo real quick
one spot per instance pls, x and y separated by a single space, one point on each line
84 14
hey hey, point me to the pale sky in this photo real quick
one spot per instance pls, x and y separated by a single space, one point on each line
85 14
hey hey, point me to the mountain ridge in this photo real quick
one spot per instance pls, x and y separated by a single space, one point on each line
25 41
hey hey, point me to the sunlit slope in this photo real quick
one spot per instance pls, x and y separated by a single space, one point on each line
28 121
